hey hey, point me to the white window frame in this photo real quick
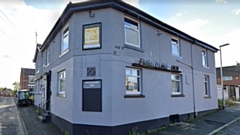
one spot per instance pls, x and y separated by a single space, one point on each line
206 86
61 76
173 78
65 34
204 58
173 43
29 78
47 57
137 30
138 78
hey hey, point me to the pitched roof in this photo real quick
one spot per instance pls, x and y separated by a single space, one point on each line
123 7
27 71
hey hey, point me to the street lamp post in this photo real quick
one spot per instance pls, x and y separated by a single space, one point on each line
221 73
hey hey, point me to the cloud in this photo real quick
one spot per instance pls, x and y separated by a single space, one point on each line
178 14
132 2
195 24
6 56
236 11
222 1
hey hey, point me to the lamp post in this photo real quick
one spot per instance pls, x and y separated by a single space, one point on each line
221 73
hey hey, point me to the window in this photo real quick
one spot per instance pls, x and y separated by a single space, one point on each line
31 79
204 58
206 85
175 47
61 82
65 37
47 57
131 32
176 84
132 81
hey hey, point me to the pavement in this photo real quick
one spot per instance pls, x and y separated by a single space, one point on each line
209 124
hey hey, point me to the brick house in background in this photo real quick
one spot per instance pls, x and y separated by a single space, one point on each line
27 78
231 81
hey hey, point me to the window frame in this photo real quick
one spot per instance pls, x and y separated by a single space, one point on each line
65 33
61 92
206 85
178 46
47 57
138 30
180 84
30 79
139 92
204 58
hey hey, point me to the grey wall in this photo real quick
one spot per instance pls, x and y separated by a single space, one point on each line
110 64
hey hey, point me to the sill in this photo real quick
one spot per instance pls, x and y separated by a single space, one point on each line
207 97
64 53
61 95
177 56
134 96
206 67
178 95
133 47
38 93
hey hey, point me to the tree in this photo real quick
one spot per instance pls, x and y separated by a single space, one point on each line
16 85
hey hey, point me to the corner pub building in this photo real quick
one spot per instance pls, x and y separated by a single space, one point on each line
107 67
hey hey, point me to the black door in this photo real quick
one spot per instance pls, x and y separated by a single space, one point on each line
48 91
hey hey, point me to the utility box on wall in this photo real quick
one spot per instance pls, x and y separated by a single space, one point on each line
92 95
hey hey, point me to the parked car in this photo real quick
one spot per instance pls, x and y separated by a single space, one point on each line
23 97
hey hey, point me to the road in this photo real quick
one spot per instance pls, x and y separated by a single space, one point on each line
231 130
10 123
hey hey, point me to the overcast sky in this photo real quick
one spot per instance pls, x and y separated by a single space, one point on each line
213 21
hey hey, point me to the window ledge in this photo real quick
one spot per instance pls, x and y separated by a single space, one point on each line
177 56
206 67
133 47
61 95
206 97
134 96
64 53
178 95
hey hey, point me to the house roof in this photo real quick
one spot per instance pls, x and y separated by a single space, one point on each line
229 71
27 71
125 8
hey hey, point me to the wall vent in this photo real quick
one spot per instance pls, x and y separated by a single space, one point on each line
91 71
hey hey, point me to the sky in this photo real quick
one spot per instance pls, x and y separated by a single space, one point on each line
213 21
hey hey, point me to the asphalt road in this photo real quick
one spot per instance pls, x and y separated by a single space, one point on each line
10 123
233 129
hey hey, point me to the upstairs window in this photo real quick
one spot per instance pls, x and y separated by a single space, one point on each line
132 81
176 84
65 40
204 58
31 79
48 56
132 32
175 47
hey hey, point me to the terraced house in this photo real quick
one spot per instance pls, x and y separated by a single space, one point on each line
107 67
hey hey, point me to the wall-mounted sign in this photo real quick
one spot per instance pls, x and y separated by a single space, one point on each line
92 36
91 84
156 65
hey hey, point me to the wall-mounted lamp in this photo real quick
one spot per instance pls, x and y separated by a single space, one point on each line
91 14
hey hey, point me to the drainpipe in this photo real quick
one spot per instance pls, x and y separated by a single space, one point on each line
193 87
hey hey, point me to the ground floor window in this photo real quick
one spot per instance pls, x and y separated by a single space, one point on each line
61 82
133 81
206 86
176 84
